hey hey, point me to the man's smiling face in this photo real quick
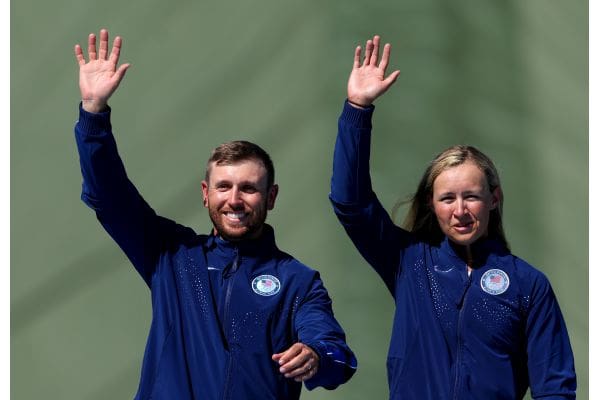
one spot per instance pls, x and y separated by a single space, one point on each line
237 198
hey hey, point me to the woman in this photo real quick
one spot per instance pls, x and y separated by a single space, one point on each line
472 321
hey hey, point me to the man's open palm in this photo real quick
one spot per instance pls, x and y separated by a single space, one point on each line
99 77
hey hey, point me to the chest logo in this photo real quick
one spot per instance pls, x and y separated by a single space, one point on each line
495 281
266 285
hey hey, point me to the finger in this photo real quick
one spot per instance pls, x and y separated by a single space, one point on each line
92 47
292 365
299 364
375 53
306 376
303 369
289 354
278 356
385 58
120 73
116 50
357 57
368 51
389 81
79 55
103 44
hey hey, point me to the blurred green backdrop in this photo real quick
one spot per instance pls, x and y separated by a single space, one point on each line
508 76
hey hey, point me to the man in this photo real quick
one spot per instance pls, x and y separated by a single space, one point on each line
233 316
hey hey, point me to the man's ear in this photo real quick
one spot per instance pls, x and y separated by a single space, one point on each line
205 193
271 196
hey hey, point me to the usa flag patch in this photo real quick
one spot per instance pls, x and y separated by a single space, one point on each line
266 285
495 281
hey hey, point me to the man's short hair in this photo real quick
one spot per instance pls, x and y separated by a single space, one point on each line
240 150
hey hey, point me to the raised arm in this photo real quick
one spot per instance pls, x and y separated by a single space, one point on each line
365 220
121 210
99 77
351 183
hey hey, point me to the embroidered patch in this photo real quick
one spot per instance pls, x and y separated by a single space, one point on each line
266 285
495 281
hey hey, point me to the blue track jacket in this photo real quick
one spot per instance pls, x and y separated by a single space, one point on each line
488 335
219 309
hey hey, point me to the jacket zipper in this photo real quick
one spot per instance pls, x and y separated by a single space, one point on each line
461 306
232 271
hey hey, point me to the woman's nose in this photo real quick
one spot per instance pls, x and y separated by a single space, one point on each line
461 208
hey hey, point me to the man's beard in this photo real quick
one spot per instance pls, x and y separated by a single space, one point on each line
250 229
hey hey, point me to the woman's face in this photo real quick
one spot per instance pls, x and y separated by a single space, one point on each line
462 203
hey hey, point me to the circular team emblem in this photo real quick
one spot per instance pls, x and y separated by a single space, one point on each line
266 285
495 281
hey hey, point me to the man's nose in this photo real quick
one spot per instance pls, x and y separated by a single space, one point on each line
235 196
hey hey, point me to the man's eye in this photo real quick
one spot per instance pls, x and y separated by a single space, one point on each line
249 189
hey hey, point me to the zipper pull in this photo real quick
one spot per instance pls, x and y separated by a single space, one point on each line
236 260
232 267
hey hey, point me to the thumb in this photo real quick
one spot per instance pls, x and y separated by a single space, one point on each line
389 81
120 73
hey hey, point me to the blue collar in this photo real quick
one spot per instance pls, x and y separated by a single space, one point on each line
251 247
481 250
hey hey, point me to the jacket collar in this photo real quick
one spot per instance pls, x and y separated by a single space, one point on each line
451 271
251 247
481 250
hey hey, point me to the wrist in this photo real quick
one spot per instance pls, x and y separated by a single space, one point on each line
361 104
94 106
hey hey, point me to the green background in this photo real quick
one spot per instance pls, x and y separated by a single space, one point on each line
510 77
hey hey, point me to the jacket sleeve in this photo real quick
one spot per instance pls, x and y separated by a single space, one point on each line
361 214
316 326
550 357
122 211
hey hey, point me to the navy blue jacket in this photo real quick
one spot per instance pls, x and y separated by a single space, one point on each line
487 335
219 309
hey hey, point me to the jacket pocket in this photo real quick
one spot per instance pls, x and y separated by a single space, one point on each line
395 368
171 371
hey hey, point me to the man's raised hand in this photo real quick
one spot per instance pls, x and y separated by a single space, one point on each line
99 77
367 80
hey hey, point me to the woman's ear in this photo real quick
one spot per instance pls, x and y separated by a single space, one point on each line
496 197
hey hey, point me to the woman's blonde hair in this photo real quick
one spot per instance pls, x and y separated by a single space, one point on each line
421 219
